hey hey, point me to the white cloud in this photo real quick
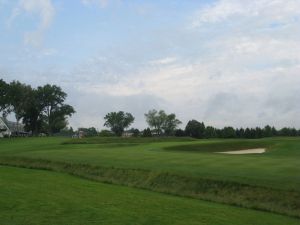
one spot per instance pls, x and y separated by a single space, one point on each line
44 9
234 82
266 10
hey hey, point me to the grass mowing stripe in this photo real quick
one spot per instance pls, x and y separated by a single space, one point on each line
233 193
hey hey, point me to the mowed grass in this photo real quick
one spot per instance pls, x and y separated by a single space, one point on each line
179 166
35 197
279 167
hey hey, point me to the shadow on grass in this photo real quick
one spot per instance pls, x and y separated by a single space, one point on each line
218 146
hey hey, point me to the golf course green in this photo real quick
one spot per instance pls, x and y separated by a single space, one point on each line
149 181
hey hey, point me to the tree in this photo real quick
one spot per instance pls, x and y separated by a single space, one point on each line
4 98
170 124
240 133
267 131
106 133
58 118
66 132
155 120
118 121
40 109
228 132
147 133
135 132
247 133
179 133
195 129
210 132
161 122
26 105
258 132
286 131
21 98
53 108
274 131
293 132
88 132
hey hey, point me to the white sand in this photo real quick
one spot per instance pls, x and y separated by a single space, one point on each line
246 151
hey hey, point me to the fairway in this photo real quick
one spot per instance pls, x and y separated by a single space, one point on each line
279 167
183 167
33 197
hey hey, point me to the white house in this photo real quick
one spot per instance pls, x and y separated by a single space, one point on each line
9 128
4 129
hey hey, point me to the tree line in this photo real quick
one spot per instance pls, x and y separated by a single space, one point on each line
162 124
198 129
41 109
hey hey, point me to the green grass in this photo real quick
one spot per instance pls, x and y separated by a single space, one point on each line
185 167
279 167
233 193
131 140
35 197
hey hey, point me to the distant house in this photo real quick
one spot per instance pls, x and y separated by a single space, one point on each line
4 129
79 134
127 134
9 128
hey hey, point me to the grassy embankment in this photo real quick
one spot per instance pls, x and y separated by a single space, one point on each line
184 167
34 197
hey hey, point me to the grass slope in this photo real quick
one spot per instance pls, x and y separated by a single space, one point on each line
34 197
270 181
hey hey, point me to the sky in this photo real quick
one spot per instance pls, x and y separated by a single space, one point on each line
225 62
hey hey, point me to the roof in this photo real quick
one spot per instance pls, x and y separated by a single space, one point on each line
3 126
12 126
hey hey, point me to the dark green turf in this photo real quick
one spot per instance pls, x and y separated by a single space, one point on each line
34 197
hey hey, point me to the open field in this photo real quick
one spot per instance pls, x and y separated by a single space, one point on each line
181 166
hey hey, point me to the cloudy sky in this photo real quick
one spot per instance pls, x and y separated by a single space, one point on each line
224 62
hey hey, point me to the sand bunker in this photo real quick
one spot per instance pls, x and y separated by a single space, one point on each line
246 151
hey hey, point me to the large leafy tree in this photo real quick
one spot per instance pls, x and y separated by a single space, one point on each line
31 113
161 122
54 110
40 109
267 131
170 124
210 132
118 121
58 118
195 129
155 120
228 132
22 99
147 132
